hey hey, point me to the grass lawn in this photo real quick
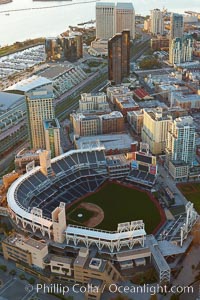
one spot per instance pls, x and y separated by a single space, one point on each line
177 210
194 198
191 191
79 215
122 204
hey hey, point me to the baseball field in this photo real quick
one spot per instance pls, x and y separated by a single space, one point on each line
114 203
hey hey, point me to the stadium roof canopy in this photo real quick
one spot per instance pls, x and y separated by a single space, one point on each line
8 100
29 84
104 235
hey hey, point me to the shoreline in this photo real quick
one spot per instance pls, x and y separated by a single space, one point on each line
5 1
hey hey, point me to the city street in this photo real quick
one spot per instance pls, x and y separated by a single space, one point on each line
164 180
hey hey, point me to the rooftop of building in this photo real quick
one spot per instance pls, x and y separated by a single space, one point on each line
117 160
98 94
151 104
105 4
184 121
10 174
59 259
29 84
80 261
112 115
158 113
109 141
81 116
26 152
51 124
135 112
9 100
166 79
124 5
127 101
18 239
118 90
56 70
99 264
179 163
173 14
173 87
44 94
186 98
141 93
191 65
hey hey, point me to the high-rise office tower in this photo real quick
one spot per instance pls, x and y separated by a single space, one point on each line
112 19
177 26
181 140
78 37
181 46
39 108
119 57
105 20
64 48
52 136
125 18
155 128
181 50
157 22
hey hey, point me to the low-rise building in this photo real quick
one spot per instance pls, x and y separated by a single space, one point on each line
187 101
85 125
9 178
93 103
116 91
99 48
125 104
141 94
167 91
59 264
25 157
86 268
159 43
179 170
112 123
20 248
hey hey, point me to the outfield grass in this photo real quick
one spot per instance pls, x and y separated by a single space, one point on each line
191 191
122 204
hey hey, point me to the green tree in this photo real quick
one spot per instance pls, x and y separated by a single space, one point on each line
12 272
3 268
31 280
22 276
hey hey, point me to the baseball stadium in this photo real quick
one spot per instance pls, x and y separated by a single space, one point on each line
85 199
